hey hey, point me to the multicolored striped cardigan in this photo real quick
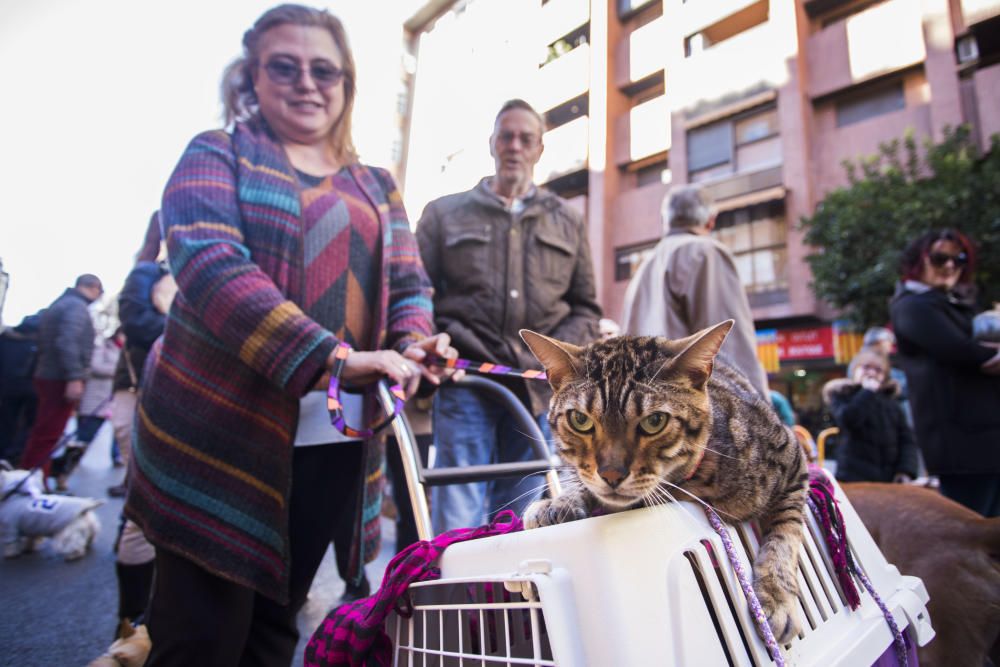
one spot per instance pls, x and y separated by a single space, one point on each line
211 470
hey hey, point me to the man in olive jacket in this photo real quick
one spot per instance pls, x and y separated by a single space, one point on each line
503 256
65 345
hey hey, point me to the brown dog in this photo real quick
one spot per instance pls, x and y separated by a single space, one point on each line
957 554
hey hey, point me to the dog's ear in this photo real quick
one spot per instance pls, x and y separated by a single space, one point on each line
5 465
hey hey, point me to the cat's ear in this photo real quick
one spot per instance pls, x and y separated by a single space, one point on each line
697 359
558 358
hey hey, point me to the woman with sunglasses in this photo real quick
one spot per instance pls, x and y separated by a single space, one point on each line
953 379
294 263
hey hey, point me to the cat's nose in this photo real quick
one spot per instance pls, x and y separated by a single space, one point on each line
613 475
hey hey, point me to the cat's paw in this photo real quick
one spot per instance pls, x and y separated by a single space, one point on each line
550 511
781 614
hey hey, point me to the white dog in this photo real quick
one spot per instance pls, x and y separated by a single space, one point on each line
27 515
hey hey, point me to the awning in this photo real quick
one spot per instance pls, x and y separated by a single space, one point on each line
750 198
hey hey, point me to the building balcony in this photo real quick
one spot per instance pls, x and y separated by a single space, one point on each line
563 79
643 131
976 11
559 17
565 150
882 39
698 14
748 61
641 53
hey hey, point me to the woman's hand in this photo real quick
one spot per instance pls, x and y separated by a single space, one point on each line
992 365
367 367
437 346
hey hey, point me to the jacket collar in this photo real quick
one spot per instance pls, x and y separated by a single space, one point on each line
537 196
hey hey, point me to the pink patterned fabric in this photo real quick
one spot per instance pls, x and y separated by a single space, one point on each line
824 507
354 633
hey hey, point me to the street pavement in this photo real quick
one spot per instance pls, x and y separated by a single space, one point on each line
54 613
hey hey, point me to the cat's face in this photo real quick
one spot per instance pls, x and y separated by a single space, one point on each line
630 412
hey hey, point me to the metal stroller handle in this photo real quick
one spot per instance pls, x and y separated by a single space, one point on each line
417 476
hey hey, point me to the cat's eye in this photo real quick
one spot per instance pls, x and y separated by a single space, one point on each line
654 422
580 422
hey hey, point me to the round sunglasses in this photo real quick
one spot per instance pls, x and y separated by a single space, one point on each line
287 73
939 259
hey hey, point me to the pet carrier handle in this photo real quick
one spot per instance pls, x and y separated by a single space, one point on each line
417 477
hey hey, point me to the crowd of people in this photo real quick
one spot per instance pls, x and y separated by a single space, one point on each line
290 281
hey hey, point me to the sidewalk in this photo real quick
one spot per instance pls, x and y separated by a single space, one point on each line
57 613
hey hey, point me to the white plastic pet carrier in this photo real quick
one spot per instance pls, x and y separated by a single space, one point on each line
645 587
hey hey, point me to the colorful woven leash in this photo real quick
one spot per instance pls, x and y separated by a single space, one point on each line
825 509
755 609
823 503
487 368
336 407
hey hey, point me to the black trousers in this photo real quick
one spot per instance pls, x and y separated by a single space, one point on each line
198 618
406 525
977 492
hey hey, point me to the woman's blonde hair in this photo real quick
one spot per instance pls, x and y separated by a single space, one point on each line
239 100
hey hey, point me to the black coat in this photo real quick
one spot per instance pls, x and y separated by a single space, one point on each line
875 442
65 338
141 322
18 356
956 407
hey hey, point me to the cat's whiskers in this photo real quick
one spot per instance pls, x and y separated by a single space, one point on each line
718 453
699 500
548 442
664 494
529 492
567 484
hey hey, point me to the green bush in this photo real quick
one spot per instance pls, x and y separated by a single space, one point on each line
859 231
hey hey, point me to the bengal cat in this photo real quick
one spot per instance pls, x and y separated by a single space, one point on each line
640 417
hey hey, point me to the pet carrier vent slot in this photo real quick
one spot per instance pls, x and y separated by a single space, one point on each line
479 623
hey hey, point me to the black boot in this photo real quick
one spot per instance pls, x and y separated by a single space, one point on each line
354 592
134 585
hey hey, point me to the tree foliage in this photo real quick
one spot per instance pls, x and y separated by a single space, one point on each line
906 189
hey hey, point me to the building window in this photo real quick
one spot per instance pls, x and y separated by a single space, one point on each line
871 103
627 8
658 173
745 142
627 260
844 11
757 237
566 43
731 26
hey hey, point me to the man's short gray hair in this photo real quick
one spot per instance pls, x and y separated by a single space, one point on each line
686 206
876 335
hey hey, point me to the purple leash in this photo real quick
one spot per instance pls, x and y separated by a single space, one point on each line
821 489
823 504
755 609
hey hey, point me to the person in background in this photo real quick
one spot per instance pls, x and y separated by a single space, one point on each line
783 407
875 443
142 309
953 379
18 401
94 408
690 282
883 341
503 256
65 345
294 264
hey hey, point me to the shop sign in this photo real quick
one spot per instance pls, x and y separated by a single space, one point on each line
801 344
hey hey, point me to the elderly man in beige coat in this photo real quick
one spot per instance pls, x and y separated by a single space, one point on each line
691 282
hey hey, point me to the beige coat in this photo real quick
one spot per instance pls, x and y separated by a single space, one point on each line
690 282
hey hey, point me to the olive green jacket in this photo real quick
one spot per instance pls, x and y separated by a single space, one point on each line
496 271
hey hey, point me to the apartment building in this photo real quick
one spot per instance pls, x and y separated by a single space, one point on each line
758 100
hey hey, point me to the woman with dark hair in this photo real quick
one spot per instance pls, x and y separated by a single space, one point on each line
295 267
953 379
